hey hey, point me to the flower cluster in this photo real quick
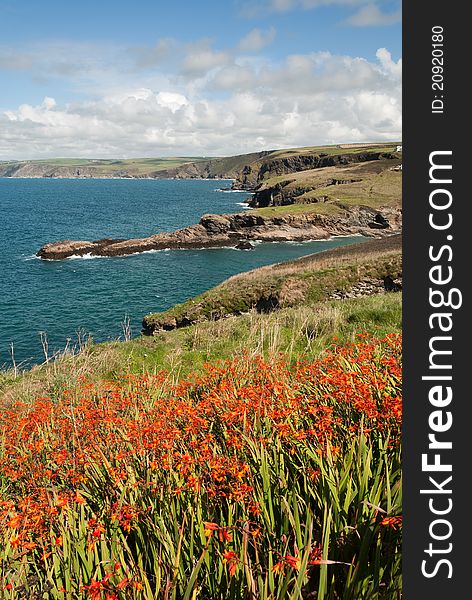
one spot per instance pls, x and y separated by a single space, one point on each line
109 463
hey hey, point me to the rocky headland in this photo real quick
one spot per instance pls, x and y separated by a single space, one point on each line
239 228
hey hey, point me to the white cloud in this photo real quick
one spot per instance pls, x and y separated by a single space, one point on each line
239 106
372 16
256 40
234 77
171 100
389 65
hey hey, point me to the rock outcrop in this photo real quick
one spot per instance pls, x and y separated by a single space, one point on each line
237 228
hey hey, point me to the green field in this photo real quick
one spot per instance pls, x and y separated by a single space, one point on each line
327 190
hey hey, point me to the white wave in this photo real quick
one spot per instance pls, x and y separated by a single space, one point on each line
234 191
152 251
311 241
87 256
32 257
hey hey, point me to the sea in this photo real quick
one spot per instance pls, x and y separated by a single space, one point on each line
46 306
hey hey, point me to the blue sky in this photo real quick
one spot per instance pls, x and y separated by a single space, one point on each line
102 78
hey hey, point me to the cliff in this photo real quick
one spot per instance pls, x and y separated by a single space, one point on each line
248 170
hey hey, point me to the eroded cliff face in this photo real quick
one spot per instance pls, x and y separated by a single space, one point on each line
235 229
250 171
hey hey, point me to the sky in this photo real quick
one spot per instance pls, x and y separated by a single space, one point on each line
114 79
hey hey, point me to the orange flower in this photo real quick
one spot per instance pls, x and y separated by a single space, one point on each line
97 532
123 584
393 522
15 521
293 561
223 535
278 568
210 528
29 545
231 559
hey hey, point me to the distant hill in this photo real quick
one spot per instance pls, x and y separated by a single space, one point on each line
93 168
247 169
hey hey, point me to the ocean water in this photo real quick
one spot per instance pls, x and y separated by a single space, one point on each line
96 296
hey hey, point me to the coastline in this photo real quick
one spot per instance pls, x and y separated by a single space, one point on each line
79 178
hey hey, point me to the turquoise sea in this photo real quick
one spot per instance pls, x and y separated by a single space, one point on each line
95 296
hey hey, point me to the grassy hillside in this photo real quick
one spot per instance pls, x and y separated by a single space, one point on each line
335 149
298 331
307 280
330 189
254 169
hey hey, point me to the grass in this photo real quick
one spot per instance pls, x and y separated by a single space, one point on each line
320 208
335 149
